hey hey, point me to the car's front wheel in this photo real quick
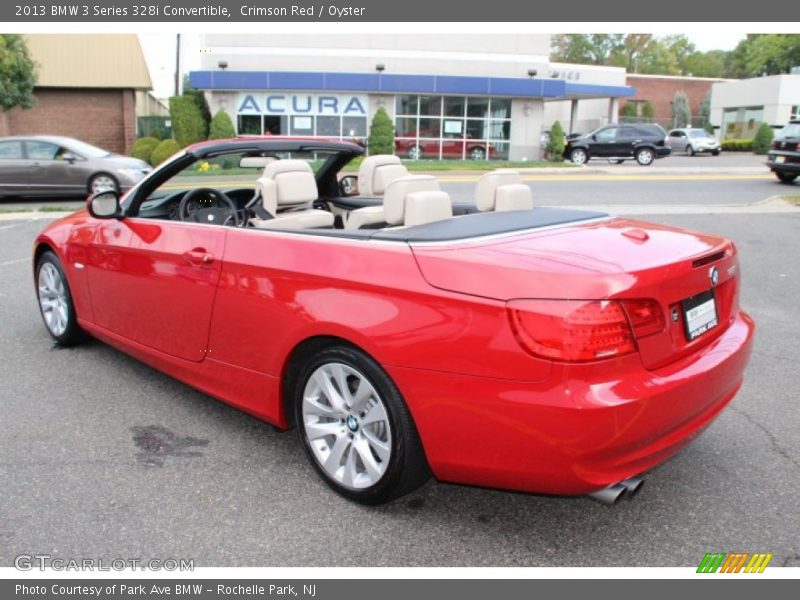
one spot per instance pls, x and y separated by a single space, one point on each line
415 153
356 428
578 156
55 301
786 177
645 156
103 182
690 150
477 153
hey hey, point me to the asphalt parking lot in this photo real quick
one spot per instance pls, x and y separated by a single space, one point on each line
100 456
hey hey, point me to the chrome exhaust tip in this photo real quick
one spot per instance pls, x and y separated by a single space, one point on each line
633 485
610 495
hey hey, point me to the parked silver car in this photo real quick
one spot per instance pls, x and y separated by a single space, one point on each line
44 165
693 141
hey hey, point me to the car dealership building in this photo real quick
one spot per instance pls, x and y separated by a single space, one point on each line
450 96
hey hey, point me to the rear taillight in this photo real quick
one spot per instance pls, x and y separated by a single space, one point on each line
583 330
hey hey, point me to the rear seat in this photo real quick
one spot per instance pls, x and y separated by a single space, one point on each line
394 196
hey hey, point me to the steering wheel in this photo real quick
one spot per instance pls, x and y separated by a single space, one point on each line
215 215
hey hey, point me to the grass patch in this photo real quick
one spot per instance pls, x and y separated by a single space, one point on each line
792 199
50 208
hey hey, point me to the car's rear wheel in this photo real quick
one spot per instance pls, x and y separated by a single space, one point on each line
477 153
356 428
786 177
102 182
55 301
645 156
415 153
578 156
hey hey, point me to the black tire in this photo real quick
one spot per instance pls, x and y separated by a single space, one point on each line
690 150
716 152
415 153
97 177
72 334
407 467
645 156
579 156
477 153
786 177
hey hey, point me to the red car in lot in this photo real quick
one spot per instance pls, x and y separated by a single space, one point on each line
549 350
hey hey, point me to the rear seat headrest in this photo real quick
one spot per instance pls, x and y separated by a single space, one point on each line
485 191
396 192
288 165
376 172
515 196
426 207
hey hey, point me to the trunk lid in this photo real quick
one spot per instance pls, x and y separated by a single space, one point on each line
610 259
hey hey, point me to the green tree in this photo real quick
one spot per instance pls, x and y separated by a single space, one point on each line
587 49
381 133
163 151
555 146
681 115
705 109
765 54
221 126
143 148
629 109
17 73
648 112
188 126
199 99
706 64
763 139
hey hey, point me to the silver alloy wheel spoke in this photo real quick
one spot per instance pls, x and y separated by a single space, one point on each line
346 425
53 299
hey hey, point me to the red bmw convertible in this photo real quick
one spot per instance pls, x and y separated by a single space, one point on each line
490 343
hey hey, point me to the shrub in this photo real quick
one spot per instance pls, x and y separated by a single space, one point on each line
629 110
143 148
709 128
157 134
163 151
763 139
381 133
734 145
648 112
221 126
681 115
555 145
188 125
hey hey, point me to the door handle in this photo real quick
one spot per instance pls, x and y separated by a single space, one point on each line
198 256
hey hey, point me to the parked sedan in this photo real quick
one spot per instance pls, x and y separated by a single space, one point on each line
45 165
693 141
544 350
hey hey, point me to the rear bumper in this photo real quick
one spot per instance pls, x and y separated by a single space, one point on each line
578 431
791 162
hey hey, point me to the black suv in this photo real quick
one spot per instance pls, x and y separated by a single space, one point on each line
616 143
784 157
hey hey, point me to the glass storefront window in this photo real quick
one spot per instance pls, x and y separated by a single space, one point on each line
406 105
302 125
328 126
430 106
452 126
249 125
354 127
478 107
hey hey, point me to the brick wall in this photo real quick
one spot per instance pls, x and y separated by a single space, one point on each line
660 92
105 118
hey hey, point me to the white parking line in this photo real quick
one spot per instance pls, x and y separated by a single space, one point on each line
14 262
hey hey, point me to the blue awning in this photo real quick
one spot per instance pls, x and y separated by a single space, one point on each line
393 83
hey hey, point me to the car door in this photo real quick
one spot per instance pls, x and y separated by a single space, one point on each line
154 282
52 174
603 142
677 141
15 169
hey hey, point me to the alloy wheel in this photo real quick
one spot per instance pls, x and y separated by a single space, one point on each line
346 426
103 183
53 299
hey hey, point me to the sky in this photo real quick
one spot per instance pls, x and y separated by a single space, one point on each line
159 51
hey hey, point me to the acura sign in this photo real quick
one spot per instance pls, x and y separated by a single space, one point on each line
287 103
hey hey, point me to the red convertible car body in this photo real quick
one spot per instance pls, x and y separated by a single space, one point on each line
546 352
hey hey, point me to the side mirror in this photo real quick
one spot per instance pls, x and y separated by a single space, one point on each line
349 185
594 137
69 157
104 205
